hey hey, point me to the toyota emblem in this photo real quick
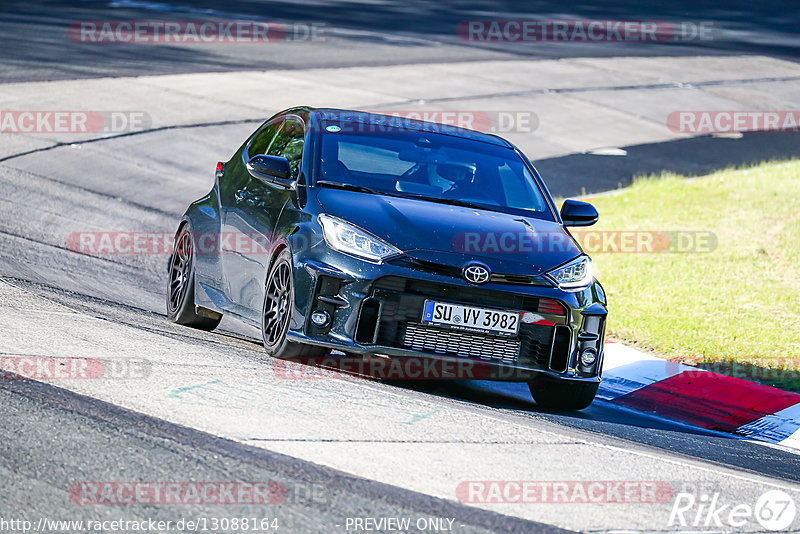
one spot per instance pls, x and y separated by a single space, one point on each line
476 274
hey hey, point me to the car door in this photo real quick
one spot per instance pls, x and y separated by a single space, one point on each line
253 213
238 193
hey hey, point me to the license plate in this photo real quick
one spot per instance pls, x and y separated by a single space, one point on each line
469 318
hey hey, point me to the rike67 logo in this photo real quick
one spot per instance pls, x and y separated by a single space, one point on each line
774 510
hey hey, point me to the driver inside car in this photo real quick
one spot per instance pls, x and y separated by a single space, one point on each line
462 176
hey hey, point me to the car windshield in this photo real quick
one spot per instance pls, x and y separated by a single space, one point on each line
431 166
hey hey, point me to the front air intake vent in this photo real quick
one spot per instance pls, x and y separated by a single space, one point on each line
559 356
367 326
455 343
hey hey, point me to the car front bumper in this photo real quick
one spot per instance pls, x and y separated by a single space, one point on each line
375 310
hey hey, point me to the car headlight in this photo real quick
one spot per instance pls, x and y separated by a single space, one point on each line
350 239
577 274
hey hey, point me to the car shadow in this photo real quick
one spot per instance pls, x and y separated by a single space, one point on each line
618 426
516 396
603 421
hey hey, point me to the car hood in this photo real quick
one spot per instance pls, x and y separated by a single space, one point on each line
455 235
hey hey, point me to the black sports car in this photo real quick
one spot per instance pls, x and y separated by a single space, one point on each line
394 238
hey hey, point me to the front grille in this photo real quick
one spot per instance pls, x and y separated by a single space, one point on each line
455 272
399 325
463 294
454 343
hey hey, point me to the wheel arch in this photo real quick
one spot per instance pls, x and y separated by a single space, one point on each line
279 247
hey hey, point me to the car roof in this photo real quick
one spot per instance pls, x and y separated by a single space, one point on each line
397 121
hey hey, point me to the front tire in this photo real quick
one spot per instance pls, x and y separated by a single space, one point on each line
563 395
277 312
180 289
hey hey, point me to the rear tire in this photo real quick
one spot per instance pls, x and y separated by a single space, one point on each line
180 286
277 310
563 395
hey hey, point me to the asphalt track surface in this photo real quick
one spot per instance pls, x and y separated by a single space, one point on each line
368 34
212 406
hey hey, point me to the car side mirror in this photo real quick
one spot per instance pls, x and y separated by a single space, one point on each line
273 169
577 213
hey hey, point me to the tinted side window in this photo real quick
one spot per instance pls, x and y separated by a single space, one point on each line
289 144
519 189
262 140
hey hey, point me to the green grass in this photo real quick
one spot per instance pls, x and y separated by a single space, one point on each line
740 302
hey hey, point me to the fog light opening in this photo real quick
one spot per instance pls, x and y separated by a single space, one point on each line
588 357
320 318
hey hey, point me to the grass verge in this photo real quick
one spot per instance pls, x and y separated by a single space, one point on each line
734 309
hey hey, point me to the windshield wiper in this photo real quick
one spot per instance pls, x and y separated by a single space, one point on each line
362 189
451 201
346 187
